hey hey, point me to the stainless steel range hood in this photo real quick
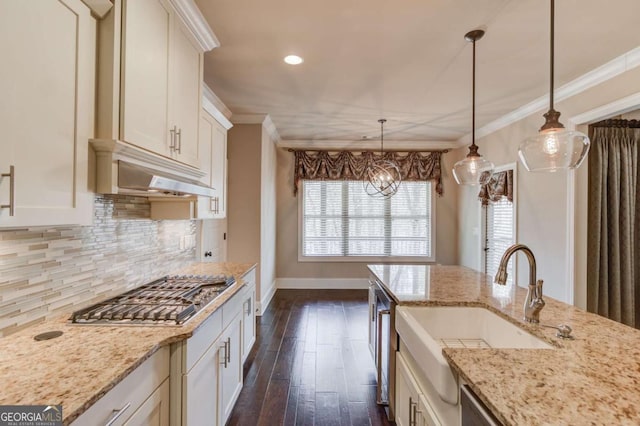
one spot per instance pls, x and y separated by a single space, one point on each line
122 168
139 178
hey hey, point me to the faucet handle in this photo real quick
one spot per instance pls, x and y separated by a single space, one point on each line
538 294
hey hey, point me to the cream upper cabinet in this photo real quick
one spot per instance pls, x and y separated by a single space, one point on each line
186 88
145 74
213 161
47 82
150 76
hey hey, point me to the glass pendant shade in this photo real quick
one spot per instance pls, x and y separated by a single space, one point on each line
554 149
473 170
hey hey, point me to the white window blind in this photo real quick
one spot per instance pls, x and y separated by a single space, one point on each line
340 219
499 236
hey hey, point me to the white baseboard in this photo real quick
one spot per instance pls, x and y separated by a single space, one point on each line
265 299
323 283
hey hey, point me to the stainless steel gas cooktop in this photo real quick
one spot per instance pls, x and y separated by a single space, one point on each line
171 300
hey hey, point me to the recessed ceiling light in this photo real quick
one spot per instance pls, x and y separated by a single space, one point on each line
293 60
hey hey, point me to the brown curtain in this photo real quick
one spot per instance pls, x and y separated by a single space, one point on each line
500 185
347 165
613 264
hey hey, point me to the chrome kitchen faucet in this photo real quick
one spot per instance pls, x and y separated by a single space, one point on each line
534 303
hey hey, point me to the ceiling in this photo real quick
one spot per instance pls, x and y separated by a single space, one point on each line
406 61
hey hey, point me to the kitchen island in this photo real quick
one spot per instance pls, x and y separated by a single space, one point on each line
593 379
78 368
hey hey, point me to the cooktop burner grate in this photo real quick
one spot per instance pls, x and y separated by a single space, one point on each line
170 300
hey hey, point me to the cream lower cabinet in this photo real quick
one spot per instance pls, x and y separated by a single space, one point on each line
412 408
142 398
213 161
249 314
47 81
207 368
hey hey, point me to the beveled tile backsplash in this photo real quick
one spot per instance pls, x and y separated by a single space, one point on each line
46 271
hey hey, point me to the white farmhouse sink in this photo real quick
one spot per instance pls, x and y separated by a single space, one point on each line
427 330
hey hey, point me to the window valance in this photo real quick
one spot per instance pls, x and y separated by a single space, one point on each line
500 185
348 165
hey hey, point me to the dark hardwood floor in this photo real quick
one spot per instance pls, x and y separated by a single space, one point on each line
311 363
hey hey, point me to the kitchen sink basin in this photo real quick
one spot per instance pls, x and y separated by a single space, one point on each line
425 331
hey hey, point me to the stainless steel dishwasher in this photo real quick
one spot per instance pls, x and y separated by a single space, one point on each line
383 343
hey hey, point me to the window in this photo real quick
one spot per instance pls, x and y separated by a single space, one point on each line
499 235
339 220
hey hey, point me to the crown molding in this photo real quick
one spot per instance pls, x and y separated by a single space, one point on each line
603 112
599 75
264 119
99 8
215 107
196 24
368 145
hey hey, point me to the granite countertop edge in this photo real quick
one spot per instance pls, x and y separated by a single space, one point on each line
595 377
155 337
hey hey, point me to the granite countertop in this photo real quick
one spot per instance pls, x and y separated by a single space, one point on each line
594 379
80 366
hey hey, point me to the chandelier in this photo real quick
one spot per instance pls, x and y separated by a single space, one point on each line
382 178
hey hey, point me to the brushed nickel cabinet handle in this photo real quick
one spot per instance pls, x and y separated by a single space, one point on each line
115 414
412 412
12 191
224 358
173 144
229 349
179 144
379 399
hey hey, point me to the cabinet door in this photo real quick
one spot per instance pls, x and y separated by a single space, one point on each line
186 84
145 74
47 81
154 411
407 395
231 371
219 171
200 406
248 322
213 161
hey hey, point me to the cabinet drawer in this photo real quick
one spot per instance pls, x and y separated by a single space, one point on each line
232 308
130 393
250 278
206 334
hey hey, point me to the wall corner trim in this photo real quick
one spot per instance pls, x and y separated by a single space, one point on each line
266 299
264 119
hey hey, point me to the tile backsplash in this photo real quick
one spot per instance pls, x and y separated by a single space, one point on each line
51 270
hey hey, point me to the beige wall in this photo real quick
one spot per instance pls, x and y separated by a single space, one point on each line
543 199
251 216
243 205
287 265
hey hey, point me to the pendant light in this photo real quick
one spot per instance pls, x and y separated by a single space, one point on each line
474 169
382 178
553 148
